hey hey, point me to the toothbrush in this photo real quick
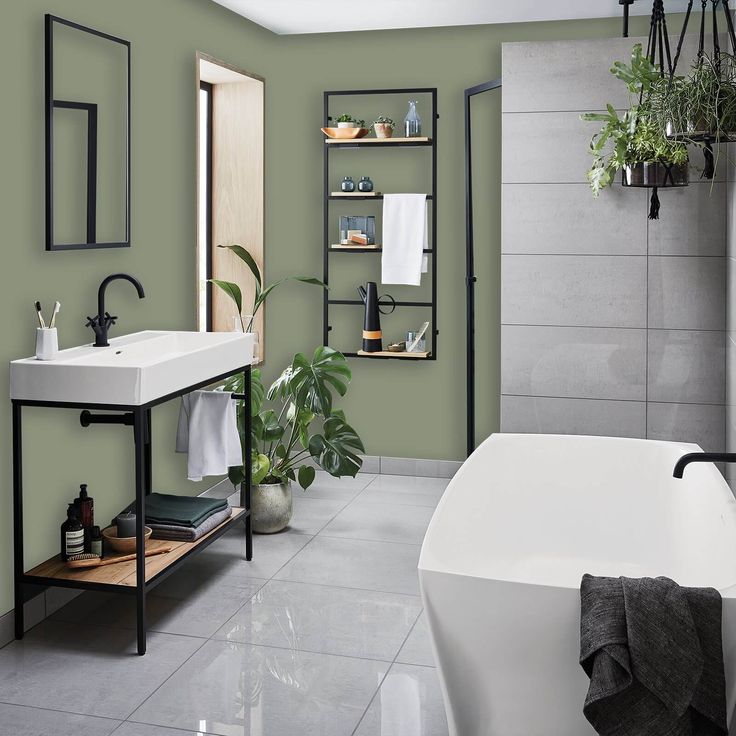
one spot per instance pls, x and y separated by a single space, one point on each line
40 316
57 309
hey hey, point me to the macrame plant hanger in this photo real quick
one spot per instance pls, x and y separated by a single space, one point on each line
658 52
705 137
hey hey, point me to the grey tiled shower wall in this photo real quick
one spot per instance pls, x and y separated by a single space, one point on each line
612 324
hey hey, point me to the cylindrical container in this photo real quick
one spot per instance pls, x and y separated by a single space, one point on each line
372 335
47 343
95 545
125 525
365 184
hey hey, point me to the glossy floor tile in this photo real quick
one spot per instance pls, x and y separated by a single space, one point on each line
409 490
312 514
417 649
297 641
409 703
88 669
20 720
321 618
381 522
356 563
234 689
143 729
201 613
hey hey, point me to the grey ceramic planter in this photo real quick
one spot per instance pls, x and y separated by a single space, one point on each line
271 507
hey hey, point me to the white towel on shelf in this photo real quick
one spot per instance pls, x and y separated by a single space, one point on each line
208 433
404 238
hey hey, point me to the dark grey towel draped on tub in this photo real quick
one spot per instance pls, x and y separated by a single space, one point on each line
653 652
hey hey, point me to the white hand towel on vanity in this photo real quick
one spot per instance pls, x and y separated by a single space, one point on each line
208 432
404 238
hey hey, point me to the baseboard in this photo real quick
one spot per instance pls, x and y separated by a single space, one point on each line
52 599
36 610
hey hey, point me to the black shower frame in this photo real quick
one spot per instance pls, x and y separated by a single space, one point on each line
470 277
327 198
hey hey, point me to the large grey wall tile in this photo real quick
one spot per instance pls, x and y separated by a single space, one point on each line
731 396
546 147
731 293
703 424
532 74
586 291
691 223
570 75
687 366
582 362
573 416
687 293
566 219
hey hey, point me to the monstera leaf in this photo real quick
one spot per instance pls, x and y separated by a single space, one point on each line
335 449
311 384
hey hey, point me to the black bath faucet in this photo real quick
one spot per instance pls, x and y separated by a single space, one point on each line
104 320
702 457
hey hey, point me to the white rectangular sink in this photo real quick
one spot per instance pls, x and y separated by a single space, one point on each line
135 369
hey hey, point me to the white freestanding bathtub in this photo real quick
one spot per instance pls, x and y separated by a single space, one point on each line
503 556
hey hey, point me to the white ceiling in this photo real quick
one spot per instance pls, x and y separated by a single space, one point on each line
334 16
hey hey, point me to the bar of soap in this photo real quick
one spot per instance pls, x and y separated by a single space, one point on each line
397 347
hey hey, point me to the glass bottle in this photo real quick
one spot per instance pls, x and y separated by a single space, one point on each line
348 185
412 121
72 535
365 184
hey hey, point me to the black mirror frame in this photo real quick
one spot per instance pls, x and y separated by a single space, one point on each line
91 110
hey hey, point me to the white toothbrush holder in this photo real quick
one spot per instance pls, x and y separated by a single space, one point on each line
47 343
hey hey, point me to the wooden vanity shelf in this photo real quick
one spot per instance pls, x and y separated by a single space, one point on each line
54 571
417 141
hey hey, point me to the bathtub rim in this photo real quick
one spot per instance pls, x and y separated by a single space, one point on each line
426 565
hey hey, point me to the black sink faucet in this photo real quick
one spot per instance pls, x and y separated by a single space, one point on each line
103 320
702 457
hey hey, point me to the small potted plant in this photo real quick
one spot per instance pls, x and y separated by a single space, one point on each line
383 126
635 142
347 121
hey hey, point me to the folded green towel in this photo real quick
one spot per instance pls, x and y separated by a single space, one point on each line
190 511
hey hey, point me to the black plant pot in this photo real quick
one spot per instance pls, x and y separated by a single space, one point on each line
650 174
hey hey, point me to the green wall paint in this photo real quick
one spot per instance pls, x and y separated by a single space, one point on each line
400 409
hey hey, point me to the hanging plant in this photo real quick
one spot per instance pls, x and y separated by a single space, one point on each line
634 141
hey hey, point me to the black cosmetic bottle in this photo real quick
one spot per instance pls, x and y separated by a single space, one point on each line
72 535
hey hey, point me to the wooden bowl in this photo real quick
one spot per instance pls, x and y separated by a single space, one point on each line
345 133
124 545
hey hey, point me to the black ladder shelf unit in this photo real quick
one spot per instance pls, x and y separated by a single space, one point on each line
144 573
398 142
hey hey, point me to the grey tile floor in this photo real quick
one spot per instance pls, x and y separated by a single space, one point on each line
321 634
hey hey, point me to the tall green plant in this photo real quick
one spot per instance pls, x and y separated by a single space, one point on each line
261 292
634 136
296 422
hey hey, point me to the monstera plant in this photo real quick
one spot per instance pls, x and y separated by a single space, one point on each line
295 426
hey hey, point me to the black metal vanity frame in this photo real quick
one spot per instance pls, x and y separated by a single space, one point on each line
139 417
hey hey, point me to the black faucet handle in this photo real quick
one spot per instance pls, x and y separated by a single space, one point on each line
91 322
110 319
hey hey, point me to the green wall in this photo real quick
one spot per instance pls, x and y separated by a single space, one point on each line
400 409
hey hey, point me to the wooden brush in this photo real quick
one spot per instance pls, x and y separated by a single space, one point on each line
78 562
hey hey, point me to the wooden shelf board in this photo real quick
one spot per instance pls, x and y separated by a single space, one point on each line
389 354
124 573
355 195
356 246
378 141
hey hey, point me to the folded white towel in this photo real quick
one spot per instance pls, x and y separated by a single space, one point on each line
208 432
404 238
